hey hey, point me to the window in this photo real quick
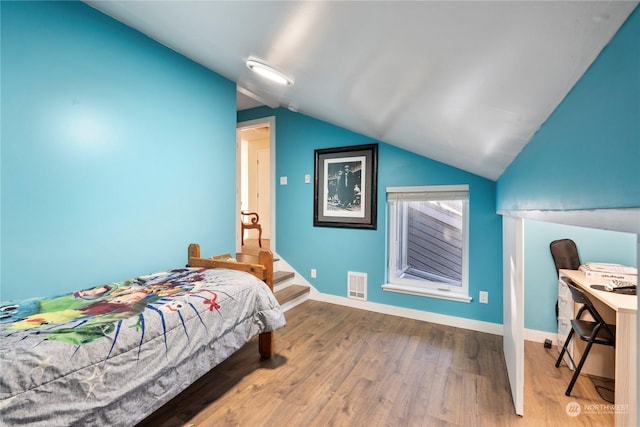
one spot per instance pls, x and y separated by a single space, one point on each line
428 241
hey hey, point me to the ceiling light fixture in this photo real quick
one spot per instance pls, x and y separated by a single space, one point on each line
269 72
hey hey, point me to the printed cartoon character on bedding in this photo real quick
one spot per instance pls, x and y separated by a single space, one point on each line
92 314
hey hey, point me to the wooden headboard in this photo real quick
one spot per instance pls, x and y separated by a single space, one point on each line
263 270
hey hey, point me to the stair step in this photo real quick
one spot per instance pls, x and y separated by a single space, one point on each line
281 276
290 293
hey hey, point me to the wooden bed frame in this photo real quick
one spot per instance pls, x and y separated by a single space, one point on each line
263 270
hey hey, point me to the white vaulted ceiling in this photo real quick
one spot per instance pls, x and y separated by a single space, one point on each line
464 83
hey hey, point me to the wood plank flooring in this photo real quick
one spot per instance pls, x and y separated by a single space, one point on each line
337 366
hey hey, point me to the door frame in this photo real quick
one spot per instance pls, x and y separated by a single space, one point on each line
249 124
263 184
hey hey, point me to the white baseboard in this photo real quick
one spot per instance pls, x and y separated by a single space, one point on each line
540 336
293 303
425 316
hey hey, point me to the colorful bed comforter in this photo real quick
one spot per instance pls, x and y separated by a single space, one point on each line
113 354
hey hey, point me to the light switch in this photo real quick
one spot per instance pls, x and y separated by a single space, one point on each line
283 180
307 179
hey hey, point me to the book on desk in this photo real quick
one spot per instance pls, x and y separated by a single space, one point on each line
610 271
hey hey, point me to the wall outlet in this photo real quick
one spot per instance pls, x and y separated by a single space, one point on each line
484 297
313 273
283 180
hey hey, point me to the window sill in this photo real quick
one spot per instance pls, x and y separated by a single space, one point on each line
433 293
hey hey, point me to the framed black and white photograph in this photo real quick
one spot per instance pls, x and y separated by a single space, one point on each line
345 191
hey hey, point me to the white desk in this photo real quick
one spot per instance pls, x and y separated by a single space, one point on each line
624 308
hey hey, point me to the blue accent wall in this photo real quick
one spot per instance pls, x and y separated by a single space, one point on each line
335 251
541 283
116 152
587 154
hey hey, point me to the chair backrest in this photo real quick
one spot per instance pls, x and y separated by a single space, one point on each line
250 216
565 254
581 297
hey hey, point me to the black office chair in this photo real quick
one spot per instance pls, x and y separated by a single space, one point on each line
593 332
565 256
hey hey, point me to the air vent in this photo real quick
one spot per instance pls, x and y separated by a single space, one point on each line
357 285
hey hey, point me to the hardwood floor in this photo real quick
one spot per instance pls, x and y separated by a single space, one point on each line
251 246
337 366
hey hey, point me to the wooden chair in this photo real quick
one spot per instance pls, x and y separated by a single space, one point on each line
248 221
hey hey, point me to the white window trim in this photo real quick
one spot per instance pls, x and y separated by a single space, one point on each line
425 292
433 290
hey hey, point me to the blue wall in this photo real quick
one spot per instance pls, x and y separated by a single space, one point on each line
541 283
113 151
334 251
587 154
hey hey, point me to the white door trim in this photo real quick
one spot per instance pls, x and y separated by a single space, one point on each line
264 121
513 306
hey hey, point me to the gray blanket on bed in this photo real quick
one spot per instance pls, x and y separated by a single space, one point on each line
113 354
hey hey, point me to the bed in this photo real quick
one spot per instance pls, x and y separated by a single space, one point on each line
113 354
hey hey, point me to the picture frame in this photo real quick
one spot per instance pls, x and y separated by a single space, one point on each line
346 187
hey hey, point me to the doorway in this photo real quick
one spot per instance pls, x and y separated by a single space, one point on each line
255 189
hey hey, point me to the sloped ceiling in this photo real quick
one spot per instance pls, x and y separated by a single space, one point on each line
464 83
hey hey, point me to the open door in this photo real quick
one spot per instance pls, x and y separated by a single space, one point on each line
255 178
513 306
